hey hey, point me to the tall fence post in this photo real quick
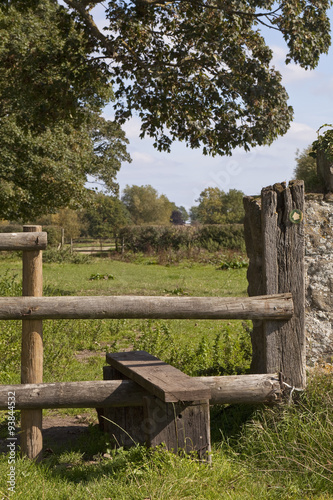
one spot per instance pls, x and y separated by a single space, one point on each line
253 240
32 351
275 245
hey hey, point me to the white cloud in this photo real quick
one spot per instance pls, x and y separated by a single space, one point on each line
290 72
132 128
140 157
302 132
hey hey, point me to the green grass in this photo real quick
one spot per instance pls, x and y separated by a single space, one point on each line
143 279
217 346
266 453
284 452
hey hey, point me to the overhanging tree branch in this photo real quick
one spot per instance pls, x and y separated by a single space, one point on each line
90 23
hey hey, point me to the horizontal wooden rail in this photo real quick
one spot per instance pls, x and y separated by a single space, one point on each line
263 388
279 307
23 241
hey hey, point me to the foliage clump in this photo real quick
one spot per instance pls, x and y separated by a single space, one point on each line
306 170
61 256
52 134
157 238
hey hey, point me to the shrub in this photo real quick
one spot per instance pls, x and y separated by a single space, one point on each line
11 228
64 255
230 353
156 238
53 235
216 236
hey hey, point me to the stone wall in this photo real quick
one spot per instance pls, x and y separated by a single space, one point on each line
319 278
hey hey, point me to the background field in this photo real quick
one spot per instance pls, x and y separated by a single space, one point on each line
281 452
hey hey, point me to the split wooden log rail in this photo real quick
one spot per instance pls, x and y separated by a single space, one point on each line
262 388
272 307
274 237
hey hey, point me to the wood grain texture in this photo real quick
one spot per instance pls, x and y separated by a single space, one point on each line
278 307
123 423
178 426
23 241
32 350
283 271
261 388
254 250
160 379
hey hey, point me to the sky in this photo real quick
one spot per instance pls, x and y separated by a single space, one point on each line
183 173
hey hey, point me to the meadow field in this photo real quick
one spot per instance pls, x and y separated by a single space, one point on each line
285 451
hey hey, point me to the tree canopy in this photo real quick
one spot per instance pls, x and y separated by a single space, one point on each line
199 71
146 206
179 216
196 71
217 207
104 216
52 91
306 170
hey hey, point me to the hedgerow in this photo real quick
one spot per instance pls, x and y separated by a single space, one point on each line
212 237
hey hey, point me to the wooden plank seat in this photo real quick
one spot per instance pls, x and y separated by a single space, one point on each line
175 415
160 379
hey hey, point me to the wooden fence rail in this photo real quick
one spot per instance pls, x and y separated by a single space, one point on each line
273 307
34 240
263 388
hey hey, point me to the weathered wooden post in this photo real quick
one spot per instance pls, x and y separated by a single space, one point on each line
32 351
275 245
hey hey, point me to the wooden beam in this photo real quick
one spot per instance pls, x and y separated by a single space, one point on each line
160 379
279 307
254 250
182 426
117 421
34 240
252 389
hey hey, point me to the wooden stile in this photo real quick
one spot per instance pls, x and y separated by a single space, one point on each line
32 351
176 413
160 379
168 406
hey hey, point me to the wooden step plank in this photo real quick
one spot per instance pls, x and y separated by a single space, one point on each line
162 380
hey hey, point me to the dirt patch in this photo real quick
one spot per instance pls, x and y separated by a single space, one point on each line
59 431
84 355
65 430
